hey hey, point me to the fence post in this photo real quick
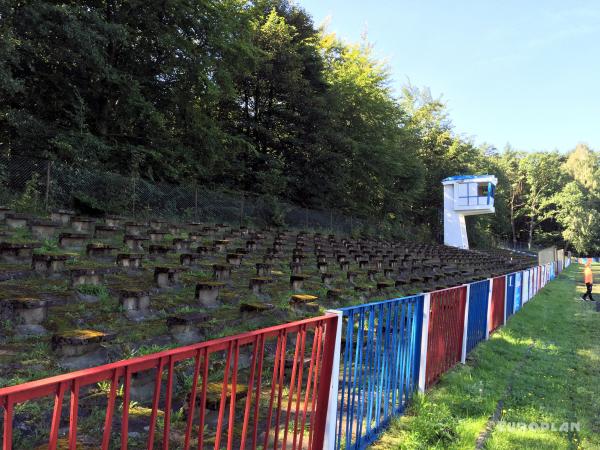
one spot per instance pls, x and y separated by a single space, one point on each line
242 210
330 424
424 341
48 164
489 310
195 202
463 357
133 198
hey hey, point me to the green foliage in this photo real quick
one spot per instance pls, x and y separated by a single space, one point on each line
98 290
29 201
21 234
50 246
143 350
272 211
252 96
578 213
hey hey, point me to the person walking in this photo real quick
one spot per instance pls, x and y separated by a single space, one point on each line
588 279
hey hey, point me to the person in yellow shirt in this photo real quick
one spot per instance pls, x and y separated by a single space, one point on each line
588 279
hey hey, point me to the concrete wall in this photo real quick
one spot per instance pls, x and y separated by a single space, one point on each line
547 255
560 255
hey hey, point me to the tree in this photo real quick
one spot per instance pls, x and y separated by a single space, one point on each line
543 179
580 218
583 165
250 95
441 151
578 203
379 169
508 163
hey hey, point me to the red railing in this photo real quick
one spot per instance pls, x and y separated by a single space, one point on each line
497 304
287 378
446 320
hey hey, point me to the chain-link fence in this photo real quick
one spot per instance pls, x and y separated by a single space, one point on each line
519 247
39 185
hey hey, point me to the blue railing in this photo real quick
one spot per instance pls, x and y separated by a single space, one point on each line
381 354
478 311
379 367
518 291
510 294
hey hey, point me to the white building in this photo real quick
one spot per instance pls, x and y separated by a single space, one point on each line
466 195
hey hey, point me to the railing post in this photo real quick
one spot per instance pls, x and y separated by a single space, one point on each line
329 439
463 357
505 298
489 309
525 289
531 278
329 347
530 283
424 341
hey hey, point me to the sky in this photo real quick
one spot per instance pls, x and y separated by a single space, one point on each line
521 72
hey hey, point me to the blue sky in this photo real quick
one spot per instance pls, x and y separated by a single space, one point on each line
525 72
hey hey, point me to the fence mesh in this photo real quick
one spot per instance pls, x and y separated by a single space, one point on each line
40 185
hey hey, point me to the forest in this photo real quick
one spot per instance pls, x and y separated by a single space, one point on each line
254 96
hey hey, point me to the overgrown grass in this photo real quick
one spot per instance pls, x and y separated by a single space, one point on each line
98 290
549 354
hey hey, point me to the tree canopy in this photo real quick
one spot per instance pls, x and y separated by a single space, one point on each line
251 95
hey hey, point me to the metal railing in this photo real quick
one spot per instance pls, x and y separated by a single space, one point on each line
511 290
478 312
380 367
518 291
333 381
446 327
497 303
282 397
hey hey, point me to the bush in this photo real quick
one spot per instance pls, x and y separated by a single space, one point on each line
29 200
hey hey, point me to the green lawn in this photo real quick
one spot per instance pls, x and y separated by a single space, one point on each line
544 368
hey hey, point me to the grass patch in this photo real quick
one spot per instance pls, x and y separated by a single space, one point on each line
98 290
550 354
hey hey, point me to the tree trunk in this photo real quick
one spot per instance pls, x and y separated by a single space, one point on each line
530 238
512 224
